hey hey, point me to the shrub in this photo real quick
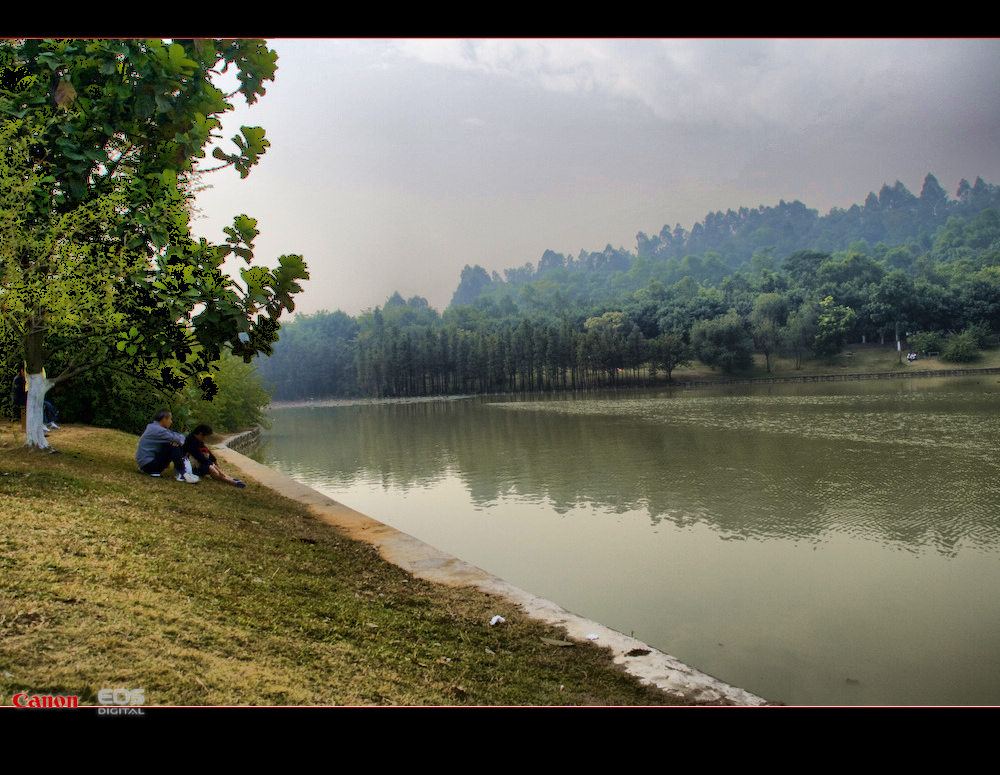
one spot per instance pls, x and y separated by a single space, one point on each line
723 341
983 334
960 348
239 403
925 341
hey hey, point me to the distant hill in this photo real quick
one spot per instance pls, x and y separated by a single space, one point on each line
726 241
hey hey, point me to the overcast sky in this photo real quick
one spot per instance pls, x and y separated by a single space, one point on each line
393 163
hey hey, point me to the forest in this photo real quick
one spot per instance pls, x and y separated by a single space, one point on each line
753 282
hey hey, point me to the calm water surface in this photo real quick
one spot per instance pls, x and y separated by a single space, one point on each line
835 543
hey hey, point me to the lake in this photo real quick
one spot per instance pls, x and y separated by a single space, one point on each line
822 543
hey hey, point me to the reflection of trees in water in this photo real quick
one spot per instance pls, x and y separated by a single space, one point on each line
730 474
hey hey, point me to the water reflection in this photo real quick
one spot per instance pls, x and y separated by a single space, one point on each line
915 469
832 543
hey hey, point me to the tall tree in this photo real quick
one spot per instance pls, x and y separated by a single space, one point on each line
668 351
891 302
767 320
832 326
98 260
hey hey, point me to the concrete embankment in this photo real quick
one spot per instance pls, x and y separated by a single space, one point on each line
426 562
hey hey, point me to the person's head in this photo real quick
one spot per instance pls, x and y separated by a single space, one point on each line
202 432
164 418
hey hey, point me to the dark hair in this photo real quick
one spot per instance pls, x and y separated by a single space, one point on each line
206 429
161 414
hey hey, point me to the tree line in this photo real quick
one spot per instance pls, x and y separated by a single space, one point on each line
613 321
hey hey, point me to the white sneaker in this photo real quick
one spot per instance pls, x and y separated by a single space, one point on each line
189 478
53 426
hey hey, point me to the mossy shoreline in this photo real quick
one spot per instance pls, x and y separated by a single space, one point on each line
208 595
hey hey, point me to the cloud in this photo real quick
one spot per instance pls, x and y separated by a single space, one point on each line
739 83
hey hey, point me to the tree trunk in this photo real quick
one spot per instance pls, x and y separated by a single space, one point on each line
38 386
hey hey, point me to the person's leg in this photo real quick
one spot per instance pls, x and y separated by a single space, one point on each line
50 415
178 457
218 474
167 455
158 463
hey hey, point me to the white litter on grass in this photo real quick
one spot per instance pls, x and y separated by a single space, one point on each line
497 620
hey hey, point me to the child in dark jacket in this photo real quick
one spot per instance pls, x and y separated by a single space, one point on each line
204 461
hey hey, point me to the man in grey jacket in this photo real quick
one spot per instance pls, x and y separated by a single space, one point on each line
159 446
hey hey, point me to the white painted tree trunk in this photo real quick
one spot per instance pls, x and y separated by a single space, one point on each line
38 386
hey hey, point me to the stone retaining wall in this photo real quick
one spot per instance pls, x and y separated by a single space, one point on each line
240 442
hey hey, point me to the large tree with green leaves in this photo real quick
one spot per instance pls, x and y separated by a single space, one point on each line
767 321
99 147
833 323
723 341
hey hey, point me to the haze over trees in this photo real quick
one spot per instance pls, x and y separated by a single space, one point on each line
100 277
755 281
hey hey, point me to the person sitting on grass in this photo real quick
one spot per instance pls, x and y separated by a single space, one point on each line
49 416
159 446
19 397
204 461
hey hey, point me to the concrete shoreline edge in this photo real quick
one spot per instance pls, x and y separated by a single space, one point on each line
426 562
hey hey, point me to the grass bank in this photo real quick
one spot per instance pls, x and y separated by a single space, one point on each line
856 359
208 595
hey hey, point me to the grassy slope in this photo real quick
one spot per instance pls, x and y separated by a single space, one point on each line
208 595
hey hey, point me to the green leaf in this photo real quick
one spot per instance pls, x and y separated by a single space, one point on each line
178 60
